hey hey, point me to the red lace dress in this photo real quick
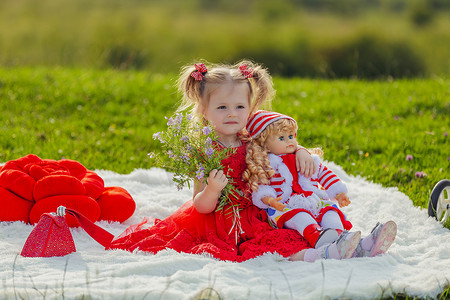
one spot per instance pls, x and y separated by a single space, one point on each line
217 233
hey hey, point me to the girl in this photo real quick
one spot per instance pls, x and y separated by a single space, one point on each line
300 203
225 96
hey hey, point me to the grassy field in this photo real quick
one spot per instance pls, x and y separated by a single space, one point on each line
159 35
106 119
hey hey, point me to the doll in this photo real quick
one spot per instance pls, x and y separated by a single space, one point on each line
290 199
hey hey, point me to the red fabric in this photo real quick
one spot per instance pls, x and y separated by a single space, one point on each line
99 234
75 168
289 161
50 237
60 184
288 215
94 184
188 231
14 208
112 205
18 183
81 203
29 180
19 164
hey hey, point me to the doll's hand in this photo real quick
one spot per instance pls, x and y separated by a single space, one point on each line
274 202
217 180
304 163
343 200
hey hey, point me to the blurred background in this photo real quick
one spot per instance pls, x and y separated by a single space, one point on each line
367 39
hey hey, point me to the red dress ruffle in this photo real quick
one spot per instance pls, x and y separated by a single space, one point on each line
215 234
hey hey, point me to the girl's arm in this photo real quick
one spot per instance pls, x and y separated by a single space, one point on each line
206 196
304 162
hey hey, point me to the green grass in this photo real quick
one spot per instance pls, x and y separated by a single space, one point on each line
369 128
158 35
106 119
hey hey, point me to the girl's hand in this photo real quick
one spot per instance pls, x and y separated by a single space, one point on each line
274 202
304 163
217 180
206 196
343 200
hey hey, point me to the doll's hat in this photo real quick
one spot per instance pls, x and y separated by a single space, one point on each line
261 119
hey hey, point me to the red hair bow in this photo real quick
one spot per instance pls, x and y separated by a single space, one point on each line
248 73
201 70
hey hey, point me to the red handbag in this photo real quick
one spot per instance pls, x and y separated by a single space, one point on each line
52 237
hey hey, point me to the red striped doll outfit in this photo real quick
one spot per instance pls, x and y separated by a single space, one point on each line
312 195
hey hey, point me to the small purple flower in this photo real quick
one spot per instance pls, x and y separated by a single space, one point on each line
157 136
409 157
206 130
185 138
151 155
200 173
209 152
185 158
179 118
446 134
170 153
420 174
170 121
208 141
188 147
189 117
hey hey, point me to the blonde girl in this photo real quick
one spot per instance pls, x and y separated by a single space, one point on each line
225 96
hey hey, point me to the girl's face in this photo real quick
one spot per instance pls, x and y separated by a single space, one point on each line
228 109
283 142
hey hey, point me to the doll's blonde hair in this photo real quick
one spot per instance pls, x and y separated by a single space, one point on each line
196 93
258 169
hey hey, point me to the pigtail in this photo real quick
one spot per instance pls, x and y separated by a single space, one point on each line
261 85
191 90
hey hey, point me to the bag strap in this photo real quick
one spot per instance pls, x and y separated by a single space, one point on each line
99 234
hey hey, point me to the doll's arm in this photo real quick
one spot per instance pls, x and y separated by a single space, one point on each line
304 162
343 200
334 187
206 196
274 202
263 192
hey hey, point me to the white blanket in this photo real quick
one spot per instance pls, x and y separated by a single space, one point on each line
418 263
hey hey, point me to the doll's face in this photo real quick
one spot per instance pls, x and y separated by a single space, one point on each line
283 142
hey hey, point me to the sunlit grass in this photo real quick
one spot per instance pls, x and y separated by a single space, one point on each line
106 119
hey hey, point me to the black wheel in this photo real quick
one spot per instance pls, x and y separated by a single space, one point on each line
439 204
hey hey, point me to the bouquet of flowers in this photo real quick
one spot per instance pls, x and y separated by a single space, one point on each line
189 153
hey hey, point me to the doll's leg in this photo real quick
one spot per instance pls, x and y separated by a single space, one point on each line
343 248
307 226
300 221
331 219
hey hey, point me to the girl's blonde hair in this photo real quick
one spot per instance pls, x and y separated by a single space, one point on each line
196 93
258 169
